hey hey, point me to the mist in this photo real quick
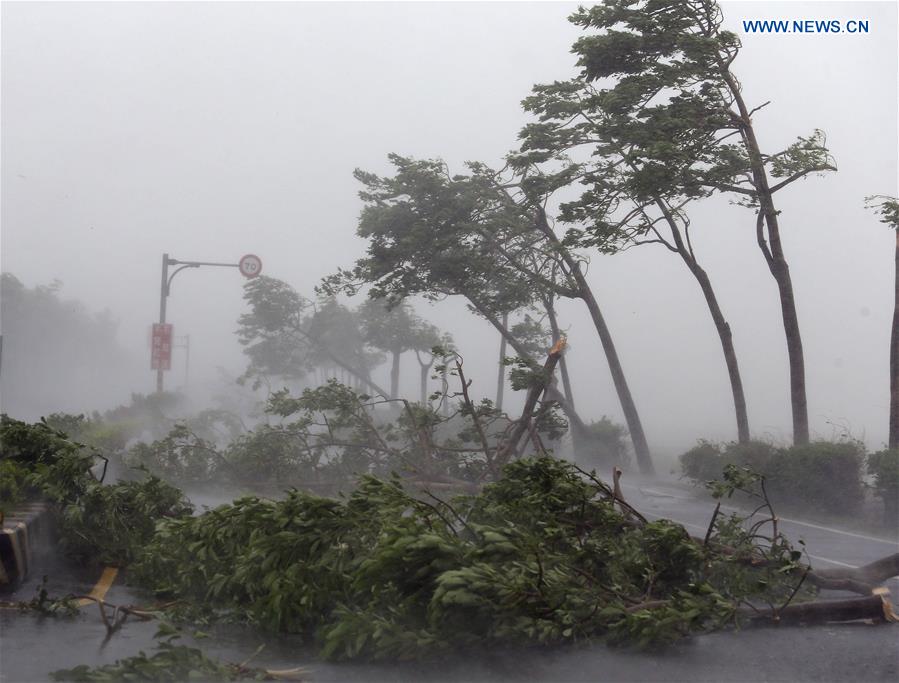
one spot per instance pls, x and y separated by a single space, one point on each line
203 132
212 130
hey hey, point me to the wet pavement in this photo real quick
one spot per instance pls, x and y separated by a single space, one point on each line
31 646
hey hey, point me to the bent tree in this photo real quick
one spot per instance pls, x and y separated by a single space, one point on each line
672 88
614 212
438 235
888 209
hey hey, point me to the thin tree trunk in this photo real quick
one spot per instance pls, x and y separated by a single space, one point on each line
424 381
724 334
510 447
777 264
580 431
563 367
577 430
501 373
395 375
631 416
730 355
894 362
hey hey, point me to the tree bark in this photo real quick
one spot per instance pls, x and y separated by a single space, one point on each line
894 361
501 373
727 346
859 580
579 431
563 366
505 453
631 416
848 609
424 383
721 325
777 264
395 375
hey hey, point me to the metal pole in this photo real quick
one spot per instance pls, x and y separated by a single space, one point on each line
163 295
187 360
250 262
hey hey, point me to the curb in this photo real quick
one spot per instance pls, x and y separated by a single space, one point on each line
24 529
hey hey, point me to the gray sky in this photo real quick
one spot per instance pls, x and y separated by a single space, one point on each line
210 130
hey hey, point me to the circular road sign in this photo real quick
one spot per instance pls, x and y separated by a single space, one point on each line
250 265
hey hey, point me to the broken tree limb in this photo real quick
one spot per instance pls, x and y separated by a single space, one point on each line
859 580
876 606
504 454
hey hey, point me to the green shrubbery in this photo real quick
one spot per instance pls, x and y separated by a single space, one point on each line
608 443
821 476
98 523
541 556
884 467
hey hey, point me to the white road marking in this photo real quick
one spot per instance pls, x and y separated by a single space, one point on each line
865 537
839 531
705 528
841 564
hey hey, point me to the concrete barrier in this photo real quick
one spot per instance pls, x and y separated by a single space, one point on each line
26 529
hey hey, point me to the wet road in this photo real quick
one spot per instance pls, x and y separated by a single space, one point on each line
31 646
828 546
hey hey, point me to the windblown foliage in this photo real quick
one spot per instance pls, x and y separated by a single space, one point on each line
542 556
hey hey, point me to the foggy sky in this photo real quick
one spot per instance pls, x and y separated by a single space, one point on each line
210 130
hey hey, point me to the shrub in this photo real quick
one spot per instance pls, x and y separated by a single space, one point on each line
884 466
703 462
820 476
608 442
707 460
756 455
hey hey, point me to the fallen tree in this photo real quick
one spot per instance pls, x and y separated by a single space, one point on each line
542 553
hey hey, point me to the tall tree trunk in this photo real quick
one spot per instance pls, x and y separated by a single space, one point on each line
395 375
730 355
631 416
424 383
777 264
501 373
894 362
724 334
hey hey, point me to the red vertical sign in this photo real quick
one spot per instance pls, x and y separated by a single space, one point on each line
161 347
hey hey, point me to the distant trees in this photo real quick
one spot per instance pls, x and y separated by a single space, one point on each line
287 336
56 353
397 329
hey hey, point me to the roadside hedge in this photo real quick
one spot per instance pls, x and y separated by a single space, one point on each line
822 476
883 466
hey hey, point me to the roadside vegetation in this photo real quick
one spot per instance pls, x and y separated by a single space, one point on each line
380 526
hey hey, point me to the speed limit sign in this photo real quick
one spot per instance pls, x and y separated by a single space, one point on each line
250 265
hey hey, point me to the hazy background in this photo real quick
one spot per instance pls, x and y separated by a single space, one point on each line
212 130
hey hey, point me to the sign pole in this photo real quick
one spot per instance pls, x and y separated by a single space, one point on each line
163 295
250 266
